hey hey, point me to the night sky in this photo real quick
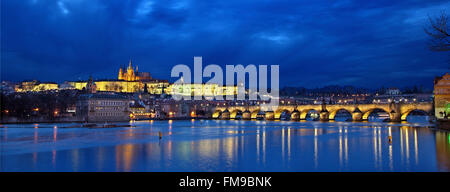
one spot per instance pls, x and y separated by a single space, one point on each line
316 43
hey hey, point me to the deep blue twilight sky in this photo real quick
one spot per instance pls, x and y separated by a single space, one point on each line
316 43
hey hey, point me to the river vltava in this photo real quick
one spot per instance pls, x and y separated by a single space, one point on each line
222 145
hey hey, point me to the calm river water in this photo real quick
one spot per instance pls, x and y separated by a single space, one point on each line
220 145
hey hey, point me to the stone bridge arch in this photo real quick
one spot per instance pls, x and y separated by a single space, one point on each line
365 114
254 113
295 115
333 109
406 109
235 110
304 112
282 109
216 114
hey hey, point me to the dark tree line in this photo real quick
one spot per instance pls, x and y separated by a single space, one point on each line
42 104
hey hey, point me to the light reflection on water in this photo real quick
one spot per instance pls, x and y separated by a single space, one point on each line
213 145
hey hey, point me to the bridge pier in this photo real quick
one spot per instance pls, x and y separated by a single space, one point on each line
395 118
395 114
225 114
270 115
247 115
295 116
324 115
357 115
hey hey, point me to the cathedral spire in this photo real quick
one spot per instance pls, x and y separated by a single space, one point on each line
121 73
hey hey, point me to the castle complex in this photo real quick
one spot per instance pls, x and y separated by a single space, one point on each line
130 80
133 75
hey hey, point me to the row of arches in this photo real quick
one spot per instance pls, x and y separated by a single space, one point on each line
375 114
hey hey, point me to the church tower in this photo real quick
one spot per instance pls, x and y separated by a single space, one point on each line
130 76
121 73
91 87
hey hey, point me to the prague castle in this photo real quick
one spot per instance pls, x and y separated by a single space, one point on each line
130 80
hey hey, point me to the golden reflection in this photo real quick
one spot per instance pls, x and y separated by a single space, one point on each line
170 127
124 157
208 148
289 144
380 150
443 150
316 162
340 146
416 148
375 146
130 132
401 144
229 147
407 146
242 145
55 133
346 146
391 163
282 144
257 143
264 146
35 138
169 151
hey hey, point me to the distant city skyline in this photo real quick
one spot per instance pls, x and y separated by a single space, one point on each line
316 43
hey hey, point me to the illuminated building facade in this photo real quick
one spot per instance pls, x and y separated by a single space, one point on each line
34 86
153 86
207 90
103 108
138 111
442 97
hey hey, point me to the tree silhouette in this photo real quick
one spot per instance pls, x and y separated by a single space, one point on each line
438 30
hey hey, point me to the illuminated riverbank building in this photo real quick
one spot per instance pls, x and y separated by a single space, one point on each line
442 96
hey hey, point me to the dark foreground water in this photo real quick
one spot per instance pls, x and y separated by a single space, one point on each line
213 145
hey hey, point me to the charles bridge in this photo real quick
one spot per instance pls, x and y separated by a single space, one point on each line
359 112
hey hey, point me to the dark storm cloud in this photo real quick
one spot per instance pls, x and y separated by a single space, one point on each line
315 42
